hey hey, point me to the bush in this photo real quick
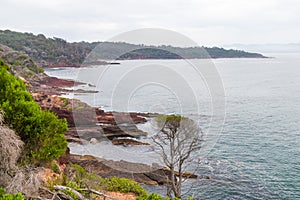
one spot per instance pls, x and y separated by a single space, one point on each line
71 194
78 178
123 185
4 196
152 196
2 64
55 167
41 131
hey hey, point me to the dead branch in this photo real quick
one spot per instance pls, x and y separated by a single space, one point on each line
55 196
60 187
47 190
64 196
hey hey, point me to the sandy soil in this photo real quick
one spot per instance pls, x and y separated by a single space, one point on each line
119 196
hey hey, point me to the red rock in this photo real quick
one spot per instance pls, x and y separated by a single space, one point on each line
118 117
56 82
113 124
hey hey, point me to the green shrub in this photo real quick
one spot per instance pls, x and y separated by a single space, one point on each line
41 131
80 174
22 57
71 194
123 185
80 171
55 167
152 196
73 185
4 196
65 103
2 64
84 179
79 178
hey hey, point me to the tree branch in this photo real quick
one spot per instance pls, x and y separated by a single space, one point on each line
60 187
98 193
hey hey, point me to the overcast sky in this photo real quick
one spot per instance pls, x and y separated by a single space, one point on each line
208 22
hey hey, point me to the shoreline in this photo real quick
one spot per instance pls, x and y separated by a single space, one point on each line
52 66
94 124
90 123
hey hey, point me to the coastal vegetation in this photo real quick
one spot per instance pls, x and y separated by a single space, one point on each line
32 143
88 185
79 179
41 131
18 63
44 50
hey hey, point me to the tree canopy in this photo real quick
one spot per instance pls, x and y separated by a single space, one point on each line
41 131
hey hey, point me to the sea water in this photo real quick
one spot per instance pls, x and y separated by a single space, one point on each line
257 153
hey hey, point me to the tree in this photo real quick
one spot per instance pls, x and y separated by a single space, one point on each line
41 131
178 140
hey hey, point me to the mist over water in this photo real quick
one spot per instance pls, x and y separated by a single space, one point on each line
257 154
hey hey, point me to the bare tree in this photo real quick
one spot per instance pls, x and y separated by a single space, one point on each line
178 139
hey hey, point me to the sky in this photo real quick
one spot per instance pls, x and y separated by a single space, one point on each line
207 22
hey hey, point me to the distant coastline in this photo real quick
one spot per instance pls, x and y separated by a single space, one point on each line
56 52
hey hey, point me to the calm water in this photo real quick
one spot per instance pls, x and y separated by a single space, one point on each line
257 155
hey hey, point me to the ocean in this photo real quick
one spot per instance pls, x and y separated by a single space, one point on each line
251 120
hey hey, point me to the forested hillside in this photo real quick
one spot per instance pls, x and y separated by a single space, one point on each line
56 51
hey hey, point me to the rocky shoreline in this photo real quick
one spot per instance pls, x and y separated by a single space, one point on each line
142 173
91 125
85 122
87 64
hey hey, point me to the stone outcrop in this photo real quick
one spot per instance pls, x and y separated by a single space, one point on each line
142 173
128 142
115 131
118 117
83 122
